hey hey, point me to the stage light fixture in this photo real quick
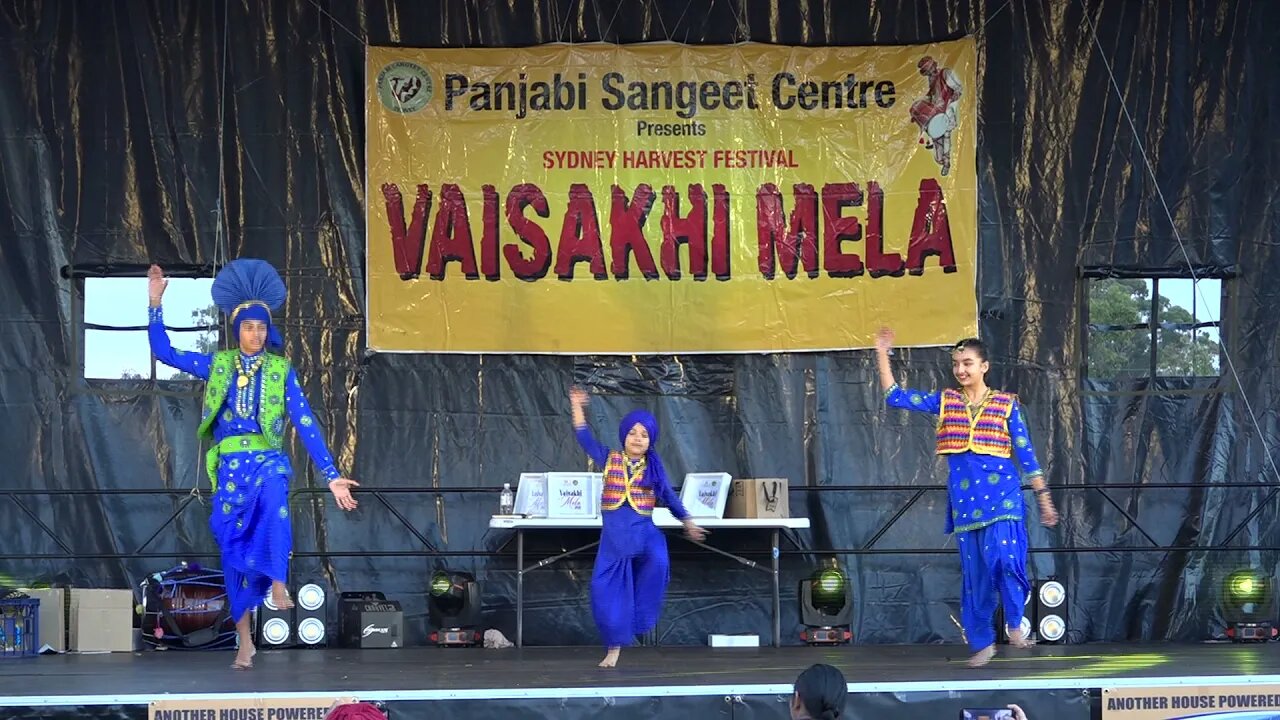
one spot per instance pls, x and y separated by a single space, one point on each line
453 608
1249 606
1052 594
440 584
826 606
311 618
1245 587
1044 618
311 597
1051 611
829 587
1052 629
275 626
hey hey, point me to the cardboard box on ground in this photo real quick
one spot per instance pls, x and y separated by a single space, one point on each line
85 620
100 621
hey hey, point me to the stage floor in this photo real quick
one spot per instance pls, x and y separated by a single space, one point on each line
438 674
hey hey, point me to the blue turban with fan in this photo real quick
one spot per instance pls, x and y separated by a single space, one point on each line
249 289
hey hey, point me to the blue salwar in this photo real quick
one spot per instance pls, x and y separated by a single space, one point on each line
993 570
250 515
632 569
985 511
250 521
630 576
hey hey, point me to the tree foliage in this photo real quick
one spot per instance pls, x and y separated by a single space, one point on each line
1116 353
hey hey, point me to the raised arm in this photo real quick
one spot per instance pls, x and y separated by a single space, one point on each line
309 431
189 362
908 399
1025 454
895 395
578 400
884 345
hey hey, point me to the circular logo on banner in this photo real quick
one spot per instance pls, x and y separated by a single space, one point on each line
404 87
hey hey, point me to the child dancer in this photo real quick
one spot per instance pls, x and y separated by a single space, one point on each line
632 567
982 433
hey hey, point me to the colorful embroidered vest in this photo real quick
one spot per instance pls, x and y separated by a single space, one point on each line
271 378
985 434
618 491
275 370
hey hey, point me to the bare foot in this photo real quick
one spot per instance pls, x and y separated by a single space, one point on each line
280 596
611 660
982 657
244 658
1019 640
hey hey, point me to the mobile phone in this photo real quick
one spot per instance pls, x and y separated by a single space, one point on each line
986 714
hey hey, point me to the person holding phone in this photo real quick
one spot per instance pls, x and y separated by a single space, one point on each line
1012 712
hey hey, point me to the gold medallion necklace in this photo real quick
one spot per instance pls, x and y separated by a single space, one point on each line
244 395
245 373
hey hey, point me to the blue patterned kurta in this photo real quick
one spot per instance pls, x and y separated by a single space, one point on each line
985 511
250 517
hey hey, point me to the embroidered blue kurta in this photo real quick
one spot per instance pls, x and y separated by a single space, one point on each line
985 511
981 489
250 517
632 570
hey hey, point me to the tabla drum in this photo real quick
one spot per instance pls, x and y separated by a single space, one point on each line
939 125
186 607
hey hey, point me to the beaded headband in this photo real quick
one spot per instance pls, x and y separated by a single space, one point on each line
246 305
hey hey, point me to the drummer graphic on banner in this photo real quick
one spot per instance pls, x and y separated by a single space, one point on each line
936 112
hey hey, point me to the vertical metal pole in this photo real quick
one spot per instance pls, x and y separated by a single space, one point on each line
519 587
777 604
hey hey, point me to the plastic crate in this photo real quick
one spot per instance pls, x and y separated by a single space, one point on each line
19 628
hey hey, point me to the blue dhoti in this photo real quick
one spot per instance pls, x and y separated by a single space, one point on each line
630 576
250 521
993 561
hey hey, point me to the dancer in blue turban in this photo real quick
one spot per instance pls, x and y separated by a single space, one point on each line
632 567
248 393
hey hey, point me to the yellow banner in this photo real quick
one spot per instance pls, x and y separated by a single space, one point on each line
670 199
1206 702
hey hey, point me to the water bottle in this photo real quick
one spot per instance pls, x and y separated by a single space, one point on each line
508 502
10 642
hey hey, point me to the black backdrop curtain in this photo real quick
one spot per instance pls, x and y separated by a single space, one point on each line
123 123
